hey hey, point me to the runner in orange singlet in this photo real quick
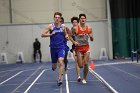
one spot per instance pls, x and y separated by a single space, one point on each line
82 33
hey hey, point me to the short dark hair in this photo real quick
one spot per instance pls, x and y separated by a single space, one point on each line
74 18
82 15
36 39
57 13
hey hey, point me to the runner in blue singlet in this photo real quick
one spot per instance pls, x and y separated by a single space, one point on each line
57 33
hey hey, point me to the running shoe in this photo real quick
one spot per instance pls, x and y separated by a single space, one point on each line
53 69
79 79
84 81
66 68
59 83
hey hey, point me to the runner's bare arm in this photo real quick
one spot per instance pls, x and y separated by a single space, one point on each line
91 34
68 30
46 31
73 31
65 31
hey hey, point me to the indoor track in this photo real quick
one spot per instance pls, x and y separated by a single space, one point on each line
108 77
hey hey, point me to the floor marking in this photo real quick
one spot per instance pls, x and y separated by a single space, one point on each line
67 84
26 79
15 69
75 81
61 86
51 82
103 81
18 68
10 78
116 63
61 89
38 69
10 84
137 77
34 82
4 75
47 82
14 84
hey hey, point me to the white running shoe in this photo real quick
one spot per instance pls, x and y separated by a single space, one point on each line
84 81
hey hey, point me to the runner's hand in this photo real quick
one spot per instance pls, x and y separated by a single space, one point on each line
67 36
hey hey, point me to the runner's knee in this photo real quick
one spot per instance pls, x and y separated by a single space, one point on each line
80 66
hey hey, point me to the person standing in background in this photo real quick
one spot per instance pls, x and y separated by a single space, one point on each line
37 47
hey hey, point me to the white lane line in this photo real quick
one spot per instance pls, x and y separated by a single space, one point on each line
11 77
67 84
34 82
115 63
26 79
103 81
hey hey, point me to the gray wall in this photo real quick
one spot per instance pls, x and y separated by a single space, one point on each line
41 11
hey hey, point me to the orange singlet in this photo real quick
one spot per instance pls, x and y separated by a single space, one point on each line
82 38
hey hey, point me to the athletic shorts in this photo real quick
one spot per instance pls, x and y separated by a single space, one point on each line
57 53
82 49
